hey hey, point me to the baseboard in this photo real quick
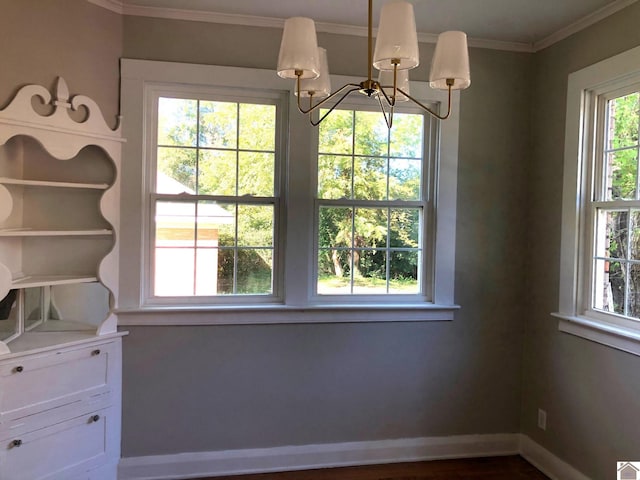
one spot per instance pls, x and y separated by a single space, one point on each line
545 461
262 460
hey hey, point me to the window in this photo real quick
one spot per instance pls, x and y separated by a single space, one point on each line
239 211
600 262
616 208
372 203
213 198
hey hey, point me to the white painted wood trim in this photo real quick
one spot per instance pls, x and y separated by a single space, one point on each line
114 5
261 460
271 22
139 76
545 461
611 335
289 458
573 311
280 314
582 23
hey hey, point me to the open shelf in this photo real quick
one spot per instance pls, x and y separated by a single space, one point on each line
27 232
44 280
46 183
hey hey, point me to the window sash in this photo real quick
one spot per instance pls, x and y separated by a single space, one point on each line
215 94
595 153
426 258
197 245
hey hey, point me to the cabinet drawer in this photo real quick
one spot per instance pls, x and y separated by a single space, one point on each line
61 451
39 384
56 415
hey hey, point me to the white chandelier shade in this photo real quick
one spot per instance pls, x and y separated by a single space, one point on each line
299 49
450 61
318 87
397 40
385 79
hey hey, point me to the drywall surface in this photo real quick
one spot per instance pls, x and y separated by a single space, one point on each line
591 392
235 387
72 39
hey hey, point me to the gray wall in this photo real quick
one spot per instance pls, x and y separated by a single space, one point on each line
229 387
591 392
42 40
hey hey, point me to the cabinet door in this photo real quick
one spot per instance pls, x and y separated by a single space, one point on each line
37 385
62 451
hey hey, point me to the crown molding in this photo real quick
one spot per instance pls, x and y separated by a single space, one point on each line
582 23
500 45
114 5
272 22
120 7
424 37
202 16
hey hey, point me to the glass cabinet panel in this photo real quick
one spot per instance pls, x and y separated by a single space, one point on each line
9 316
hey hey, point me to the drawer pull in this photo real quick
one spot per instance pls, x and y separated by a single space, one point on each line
95 352
95 418
19 369
16 443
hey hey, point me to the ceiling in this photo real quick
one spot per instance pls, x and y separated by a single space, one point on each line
509 24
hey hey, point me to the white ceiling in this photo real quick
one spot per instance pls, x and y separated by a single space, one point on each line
517 24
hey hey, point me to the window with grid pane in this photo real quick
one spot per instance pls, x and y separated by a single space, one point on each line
372 204
616 207
214 204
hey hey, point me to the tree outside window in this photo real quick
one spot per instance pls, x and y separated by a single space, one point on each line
214 198
617 257
371 204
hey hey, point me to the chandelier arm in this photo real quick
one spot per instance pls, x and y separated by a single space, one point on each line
321 102
424 107
388 118
315 124
391 101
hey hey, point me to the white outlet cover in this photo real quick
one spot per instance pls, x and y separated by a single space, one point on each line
542 419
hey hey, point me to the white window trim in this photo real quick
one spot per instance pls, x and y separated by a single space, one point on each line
298 305
574 314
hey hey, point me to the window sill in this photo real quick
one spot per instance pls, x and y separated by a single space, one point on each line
614 336
282 314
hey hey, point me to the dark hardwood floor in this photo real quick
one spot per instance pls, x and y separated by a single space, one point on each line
494 468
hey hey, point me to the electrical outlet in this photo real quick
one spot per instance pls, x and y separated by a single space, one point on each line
542 419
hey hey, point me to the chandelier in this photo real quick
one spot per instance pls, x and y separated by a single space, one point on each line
396 52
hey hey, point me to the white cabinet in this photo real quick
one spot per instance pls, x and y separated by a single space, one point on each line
60 412
60 352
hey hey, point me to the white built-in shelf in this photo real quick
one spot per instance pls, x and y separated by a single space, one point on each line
27 232
35 342
47 183
44 280
63 326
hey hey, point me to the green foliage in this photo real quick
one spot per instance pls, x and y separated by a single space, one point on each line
341 285
253 273
357 162
623 226
623 134
228 149
225 149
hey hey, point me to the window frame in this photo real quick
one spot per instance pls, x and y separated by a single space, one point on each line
587 92
297 304
427 203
